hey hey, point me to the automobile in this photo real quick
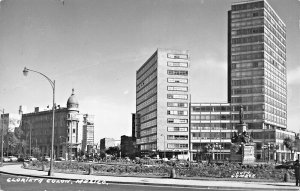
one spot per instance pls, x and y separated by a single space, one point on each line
31 158
286 165
13 158
60 159
6 159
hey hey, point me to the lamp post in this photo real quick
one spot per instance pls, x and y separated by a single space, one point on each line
52 83
164 145
2 124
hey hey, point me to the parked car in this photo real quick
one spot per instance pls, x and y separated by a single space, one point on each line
60 159
31 158
6 159
286 165
13 158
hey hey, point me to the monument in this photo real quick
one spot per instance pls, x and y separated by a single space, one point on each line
242 147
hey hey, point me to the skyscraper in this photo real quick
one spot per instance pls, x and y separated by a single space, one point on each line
257 64
162 103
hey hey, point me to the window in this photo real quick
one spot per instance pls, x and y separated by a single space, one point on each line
181 121
177 112
177 96
178 80
177 104
177 137
177 129
178 64
178 56
178 72
177 146
178 88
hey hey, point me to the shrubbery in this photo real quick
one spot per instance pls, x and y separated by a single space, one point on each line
227 170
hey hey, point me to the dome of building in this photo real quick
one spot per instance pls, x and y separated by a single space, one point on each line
72 101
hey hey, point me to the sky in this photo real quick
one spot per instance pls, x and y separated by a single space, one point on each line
96 47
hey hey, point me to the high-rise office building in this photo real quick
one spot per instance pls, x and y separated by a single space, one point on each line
162 103
257 64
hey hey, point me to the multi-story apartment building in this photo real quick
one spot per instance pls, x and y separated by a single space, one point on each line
257 64
68 129
162 102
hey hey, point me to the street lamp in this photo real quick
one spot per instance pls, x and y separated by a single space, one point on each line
164 145
2 116
52 83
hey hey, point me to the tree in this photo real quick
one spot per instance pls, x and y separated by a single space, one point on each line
114 151
289 143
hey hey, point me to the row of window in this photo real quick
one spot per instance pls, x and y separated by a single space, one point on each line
148 131
250 39
177 121
177 96
148 147
177 137
178 64
252 73
252 90
246 6
146 81
275 103
177 146
249 14
279 59
248 65
218 126
177 88
177 104
275 95
280 73
248 56
147 69
177 72
146 103
149 124
248 99
248 82
178 80
148 116
177 112
178 56
142 90
247 48
148 109
210 108
147 95
276 78
211 135
211 117
177 129
277 24
247 23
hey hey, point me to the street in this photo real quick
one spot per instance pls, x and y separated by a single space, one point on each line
23 183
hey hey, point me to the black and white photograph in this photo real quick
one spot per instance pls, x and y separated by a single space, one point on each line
149 95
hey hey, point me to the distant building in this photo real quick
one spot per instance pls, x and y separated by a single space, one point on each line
88 133
105 143
127 146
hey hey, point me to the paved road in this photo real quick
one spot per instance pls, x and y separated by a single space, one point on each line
21 183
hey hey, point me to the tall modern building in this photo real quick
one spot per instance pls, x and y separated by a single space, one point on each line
257 64
162 102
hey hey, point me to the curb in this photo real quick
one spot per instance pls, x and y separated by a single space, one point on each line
153 184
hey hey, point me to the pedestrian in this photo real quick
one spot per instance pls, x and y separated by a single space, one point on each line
297 172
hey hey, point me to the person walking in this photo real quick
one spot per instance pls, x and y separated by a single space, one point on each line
297 172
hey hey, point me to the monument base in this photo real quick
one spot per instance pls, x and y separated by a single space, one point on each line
243 153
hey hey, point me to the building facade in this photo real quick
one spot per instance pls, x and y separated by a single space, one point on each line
105 143
257 64
162 102
88 133
68 129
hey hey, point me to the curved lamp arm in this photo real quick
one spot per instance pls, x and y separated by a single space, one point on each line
52 83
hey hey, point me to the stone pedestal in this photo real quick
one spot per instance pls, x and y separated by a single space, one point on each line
248 153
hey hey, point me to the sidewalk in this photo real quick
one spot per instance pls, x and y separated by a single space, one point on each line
222 185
